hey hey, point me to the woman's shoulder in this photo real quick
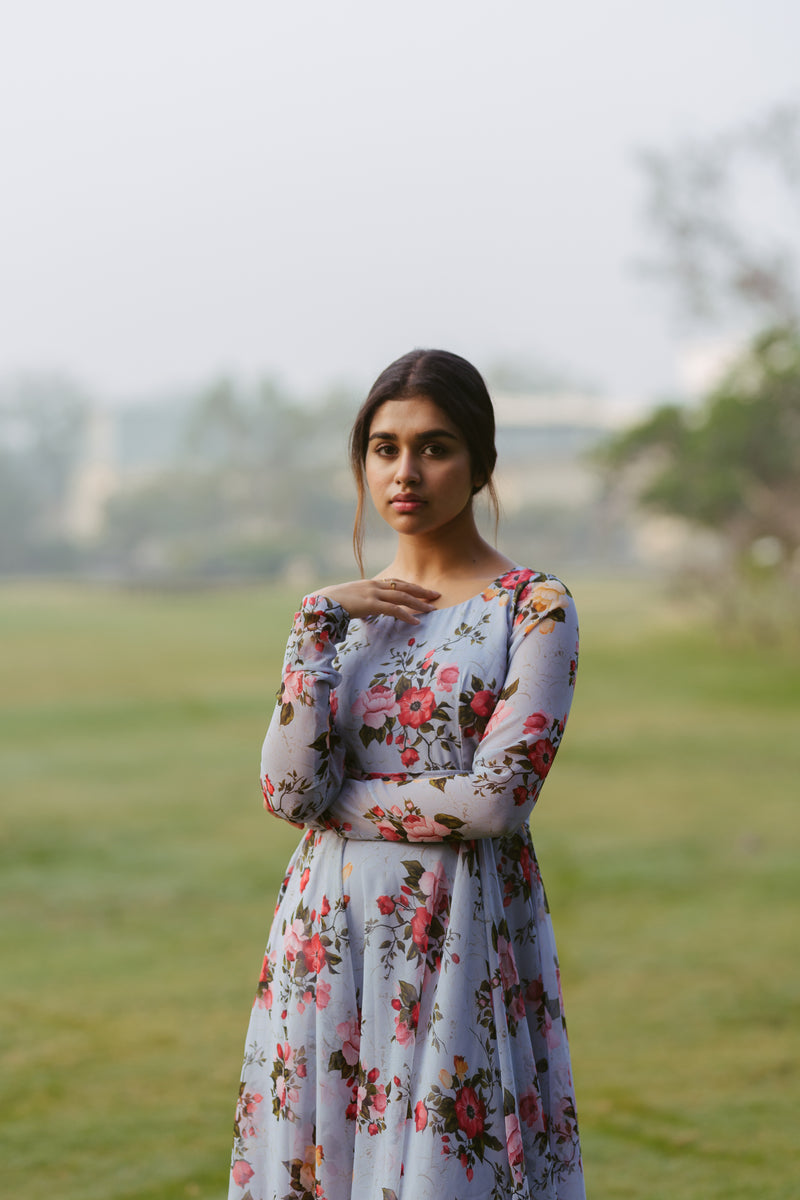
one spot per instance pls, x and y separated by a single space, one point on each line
533 599
521 583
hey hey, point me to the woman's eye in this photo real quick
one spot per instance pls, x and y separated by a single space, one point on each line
434 450
385 449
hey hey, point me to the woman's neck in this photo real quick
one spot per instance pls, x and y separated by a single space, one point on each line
447 566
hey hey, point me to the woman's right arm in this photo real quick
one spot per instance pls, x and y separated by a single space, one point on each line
302 762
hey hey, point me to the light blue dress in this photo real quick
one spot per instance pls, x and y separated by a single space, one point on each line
407 1040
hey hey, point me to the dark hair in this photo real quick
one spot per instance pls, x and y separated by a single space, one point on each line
458 389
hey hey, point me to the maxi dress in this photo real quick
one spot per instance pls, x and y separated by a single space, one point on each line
407 1040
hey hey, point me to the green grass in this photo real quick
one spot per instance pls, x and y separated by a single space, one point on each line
138 875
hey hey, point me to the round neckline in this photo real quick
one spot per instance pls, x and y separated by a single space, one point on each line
476 596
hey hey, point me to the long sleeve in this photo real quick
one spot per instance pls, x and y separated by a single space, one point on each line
496 796
301 761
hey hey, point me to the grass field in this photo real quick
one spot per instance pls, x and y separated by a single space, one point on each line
138 875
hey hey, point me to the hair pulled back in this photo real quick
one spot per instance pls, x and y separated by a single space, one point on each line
454 386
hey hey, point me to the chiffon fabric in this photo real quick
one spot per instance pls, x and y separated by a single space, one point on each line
407 1040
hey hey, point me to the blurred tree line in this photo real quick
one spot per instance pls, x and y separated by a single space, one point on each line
247 483
730 462
256 484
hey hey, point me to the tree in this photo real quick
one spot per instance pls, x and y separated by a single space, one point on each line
733 464
725 212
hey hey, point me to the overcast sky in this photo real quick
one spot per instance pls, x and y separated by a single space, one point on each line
190 187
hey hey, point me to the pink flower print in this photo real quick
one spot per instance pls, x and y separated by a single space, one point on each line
409 756
293 940
445 678
350 1034
333 701
423 829
537 722
323 993
304 878
500 713
552 1033
517 1008
482 703
433 886
242 1173
403 1034
293 686
375 705
514 1144
530 1108
508 966
420 1116
378 1102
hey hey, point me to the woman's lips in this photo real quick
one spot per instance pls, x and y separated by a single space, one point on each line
409 503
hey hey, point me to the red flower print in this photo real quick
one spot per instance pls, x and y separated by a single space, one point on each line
416 706
541 755
537 722
386 905
420 1116
520 795
372 1129
325 907
420 923
482 703
409 756
314 954
304 878
470 1112
242 1173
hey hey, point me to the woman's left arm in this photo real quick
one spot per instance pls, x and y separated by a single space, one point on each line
513 759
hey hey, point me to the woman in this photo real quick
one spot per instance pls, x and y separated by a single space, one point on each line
407 1039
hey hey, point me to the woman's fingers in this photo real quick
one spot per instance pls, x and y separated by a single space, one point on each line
388 597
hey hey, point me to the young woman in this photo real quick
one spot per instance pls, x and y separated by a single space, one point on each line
407 1040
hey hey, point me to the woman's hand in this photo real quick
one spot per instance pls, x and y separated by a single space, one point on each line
389 597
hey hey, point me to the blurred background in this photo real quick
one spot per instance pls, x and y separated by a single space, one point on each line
218 223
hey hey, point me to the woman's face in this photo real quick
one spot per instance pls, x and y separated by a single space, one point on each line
418 466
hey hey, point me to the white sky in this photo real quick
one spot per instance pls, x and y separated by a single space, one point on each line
196 186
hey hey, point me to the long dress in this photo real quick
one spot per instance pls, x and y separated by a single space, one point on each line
407 1040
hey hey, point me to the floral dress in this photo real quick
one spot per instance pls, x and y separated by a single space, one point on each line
407 1039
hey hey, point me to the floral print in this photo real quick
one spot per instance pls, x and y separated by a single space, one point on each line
407 1039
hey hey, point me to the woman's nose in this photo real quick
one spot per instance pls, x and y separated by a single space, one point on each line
407 470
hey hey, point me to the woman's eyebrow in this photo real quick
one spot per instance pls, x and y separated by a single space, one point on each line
421 437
